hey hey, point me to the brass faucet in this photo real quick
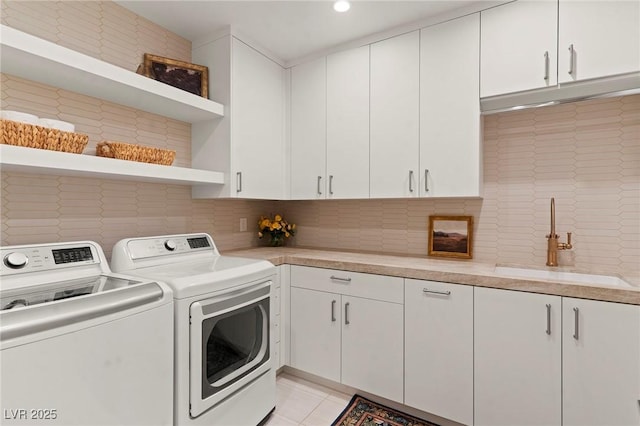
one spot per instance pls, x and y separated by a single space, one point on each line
553 244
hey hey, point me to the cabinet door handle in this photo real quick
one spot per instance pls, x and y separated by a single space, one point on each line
331 184
548 318
576 323
546 65
333 311
333 277
426 180
443 293
410 180
319 190
572 57
346 313
239 182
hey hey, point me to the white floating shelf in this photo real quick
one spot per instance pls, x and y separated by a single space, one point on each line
33 58
31 160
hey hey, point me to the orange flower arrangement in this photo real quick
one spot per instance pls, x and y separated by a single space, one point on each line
277 228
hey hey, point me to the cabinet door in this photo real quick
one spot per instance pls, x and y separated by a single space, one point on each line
257 110
308 130
519 45
517 358
450 109
605 36
395 103
600 363
348 124
372 346
438 369
315 332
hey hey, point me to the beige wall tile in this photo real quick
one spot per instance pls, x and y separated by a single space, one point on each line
585 154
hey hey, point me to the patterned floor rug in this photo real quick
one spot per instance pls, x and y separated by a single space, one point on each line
362 412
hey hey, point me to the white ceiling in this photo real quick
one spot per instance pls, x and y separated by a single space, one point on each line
290 29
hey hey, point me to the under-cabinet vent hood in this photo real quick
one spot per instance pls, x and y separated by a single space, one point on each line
625 84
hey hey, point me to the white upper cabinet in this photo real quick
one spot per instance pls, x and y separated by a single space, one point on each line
600 363
450 134
348 124
519 46
257 124
248 144
309 130
598 38
395 103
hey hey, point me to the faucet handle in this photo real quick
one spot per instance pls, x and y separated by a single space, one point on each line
568 245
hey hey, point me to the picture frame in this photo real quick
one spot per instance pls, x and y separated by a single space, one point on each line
189 77
451 236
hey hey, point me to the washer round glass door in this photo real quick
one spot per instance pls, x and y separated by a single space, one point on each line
229 344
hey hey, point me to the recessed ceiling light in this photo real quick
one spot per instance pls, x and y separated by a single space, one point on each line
341 6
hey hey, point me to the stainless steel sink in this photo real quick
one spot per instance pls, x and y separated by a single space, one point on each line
573 277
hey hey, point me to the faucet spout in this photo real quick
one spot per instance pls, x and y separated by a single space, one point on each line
553 217
553 243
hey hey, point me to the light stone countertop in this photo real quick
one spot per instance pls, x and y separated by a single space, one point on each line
444 270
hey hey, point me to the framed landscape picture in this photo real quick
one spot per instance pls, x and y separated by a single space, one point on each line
183 75
451 236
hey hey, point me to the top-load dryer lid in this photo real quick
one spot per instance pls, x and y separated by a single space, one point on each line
189 263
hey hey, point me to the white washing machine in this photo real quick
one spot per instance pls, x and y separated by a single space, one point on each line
223 368
80 345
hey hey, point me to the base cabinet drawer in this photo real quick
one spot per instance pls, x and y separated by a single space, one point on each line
370 286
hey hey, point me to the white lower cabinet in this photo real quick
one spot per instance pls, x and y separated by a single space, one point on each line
372 340
315 332
517 358
600 363
439 349
348 327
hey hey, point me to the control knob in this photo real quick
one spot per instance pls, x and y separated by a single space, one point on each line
16 260
170 245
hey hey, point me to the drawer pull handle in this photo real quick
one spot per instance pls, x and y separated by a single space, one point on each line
443 293
410 180
572 59
334 278
426 180
546 66
548 318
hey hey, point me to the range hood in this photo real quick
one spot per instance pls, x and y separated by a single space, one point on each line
620 85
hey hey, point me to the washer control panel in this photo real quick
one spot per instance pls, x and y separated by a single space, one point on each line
23 259
141 248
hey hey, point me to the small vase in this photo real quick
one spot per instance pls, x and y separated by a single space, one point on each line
276 241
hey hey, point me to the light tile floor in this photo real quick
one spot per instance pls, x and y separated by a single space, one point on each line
302 403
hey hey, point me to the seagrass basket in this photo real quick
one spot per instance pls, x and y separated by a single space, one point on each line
133 152
30 136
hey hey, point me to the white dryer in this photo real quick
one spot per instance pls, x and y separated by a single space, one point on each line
224 374
80 345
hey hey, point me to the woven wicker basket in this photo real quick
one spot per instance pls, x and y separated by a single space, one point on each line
27 135
132 152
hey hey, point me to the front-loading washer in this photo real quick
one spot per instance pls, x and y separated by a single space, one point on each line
224 374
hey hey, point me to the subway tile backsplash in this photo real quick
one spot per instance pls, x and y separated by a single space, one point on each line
585 154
